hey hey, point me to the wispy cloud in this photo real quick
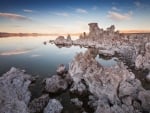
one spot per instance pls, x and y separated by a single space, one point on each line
62 14
137 4
115 8
119 16
28 10
14 16
80 10
141 5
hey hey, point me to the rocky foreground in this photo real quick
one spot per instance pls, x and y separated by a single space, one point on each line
92 88
112 89
107 89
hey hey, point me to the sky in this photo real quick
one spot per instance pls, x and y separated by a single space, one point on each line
73 16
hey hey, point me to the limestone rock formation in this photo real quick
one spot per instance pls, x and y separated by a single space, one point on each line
54 106
143 61
37 105
144 97
59 40
14 93
114 89
68 37
139 61
55 84
78 88
62 41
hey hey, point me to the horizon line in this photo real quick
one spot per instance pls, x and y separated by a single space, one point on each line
120 31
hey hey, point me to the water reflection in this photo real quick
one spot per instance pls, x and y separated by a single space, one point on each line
39 59
30 54
15 52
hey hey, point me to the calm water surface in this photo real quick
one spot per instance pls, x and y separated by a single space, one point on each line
31 54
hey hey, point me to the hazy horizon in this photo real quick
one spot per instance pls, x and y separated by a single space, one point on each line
69 16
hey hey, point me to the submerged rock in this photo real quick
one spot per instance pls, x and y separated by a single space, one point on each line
55 84
54 106
14 92
37 105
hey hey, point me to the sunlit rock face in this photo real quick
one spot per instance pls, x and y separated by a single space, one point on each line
14 93
114 89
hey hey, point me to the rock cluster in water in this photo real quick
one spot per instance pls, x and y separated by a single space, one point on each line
133 48
111 89
15 95
107 89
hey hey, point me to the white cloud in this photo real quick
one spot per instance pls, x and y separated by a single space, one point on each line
142 5
28 11
119 16
13 16
79 10
62 14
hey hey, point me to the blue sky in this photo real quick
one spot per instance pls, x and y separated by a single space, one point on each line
73 16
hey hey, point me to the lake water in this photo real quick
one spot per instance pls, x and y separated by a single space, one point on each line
31 54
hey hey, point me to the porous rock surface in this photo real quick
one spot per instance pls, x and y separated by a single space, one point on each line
54 106
14 93
55 84
38 104
113 89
